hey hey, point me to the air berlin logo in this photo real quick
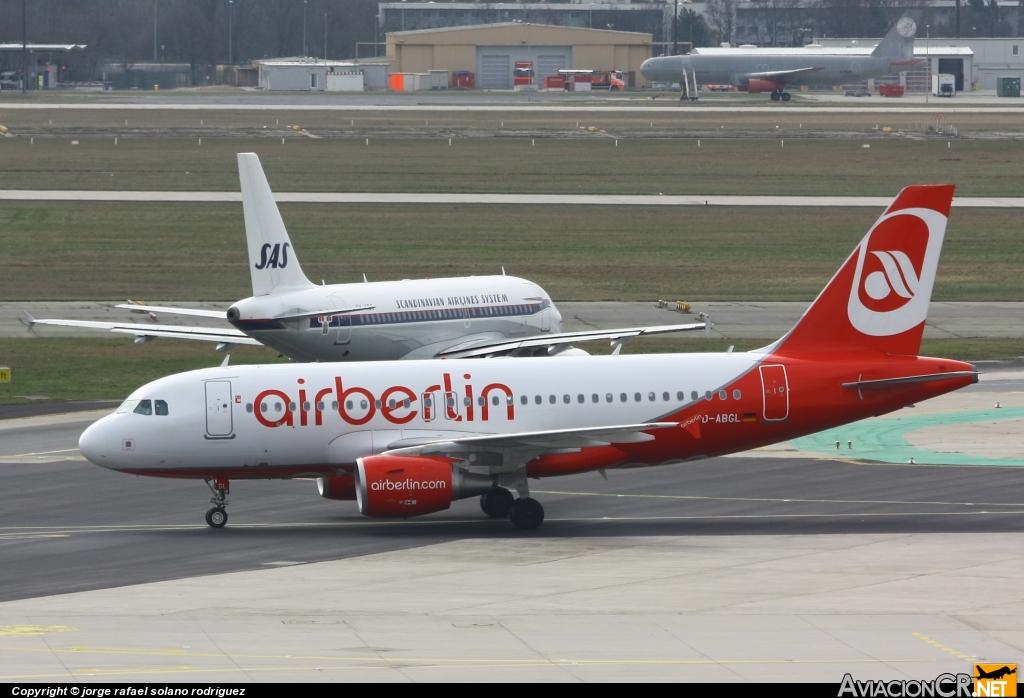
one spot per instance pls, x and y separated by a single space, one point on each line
895 271
408 485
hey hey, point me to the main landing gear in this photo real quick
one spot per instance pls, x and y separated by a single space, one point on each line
524 513
784 96
217 516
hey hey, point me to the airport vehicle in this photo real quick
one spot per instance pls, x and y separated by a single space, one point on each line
522 73
409 438
408 319
774 70
943 85
611 80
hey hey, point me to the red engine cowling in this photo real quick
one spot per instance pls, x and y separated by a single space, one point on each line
759 85
412 485
341 487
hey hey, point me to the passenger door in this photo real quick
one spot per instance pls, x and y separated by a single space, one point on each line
218 409
775 386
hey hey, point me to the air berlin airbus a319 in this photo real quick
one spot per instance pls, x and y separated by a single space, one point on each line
408 438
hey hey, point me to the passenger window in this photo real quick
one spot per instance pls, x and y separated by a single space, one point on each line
552 399
723 395
693 395
565 399
665 397
348 404
334 405
468 402
391 404
622 397
580 399
320 406
608 397
481 400
144 407
291 406
248 407
523 400
736 395
680 396
594 398
277 406
161 408
651 397
495 401
263 407
305 407
537 399
636 396
707 395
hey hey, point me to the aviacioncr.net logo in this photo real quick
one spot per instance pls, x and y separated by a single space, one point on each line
942 686
895 272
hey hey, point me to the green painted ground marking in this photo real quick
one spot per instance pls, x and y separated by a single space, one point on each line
882 439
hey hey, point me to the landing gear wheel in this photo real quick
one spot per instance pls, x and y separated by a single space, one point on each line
216 517
497 503
526 513
786 96
776 96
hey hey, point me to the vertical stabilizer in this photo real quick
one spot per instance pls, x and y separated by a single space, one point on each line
273 264
878 301
898 44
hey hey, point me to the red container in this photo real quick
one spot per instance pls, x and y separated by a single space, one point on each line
553 82
891 90
464 80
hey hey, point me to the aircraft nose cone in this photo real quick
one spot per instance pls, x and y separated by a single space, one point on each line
645 68
93 443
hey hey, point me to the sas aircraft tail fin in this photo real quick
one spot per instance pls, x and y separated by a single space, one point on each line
273 264
878 301
898 44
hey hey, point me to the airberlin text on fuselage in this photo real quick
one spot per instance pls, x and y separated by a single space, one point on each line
358 405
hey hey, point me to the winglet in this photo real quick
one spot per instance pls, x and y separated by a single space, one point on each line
273 264
31 321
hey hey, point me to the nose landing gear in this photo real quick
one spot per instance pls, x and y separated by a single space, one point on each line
216 517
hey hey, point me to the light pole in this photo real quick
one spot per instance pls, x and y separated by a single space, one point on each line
24 46
928 54
325 38
154 31
675 29
230 54
304 52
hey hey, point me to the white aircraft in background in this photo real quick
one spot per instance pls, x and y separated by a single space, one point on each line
408 438
475 316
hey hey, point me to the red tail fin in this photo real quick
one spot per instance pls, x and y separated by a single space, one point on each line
879 298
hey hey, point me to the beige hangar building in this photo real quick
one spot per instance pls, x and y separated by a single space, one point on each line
491 50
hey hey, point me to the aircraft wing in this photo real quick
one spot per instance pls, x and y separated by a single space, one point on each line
554 343
140 308
782 75
522 447
327 312
207 334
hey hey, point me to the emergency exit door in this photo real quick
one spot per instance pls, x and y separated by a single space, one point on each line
775 387
218 408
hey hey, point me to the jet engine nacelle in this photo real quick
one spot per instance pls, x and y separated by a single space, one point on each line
758 85
341 487
413 485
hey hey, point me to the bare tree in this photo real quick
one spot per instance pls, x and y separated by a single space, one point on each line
776 20
720 16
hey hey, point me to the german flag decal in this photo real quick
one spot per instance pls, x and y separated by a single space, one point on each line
749 417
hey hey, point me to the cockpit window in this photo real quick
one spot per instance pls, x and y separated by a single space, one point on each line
127 406
161 407
144 407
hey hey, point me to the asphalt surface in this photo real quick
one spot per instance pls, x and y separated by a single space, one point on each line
490 199
67 525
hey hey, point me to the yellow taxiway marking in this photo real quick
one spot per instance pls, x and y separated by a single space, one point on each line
939 645
33 630
40 453
777 499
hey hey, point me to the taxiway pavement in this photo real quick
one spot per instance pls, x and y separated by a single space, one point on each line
733 320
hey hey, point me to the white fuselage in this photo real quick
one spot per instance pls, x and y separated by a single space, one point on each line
410 318
285 417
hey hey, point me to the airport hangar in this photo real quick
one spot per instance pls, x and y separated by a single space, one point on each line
491 50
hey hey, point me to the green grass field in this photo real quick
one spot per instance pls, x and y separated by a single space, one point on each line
590 165
70 251
51 370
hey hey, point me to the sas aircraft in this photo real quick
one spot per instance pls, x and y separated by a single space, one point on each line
475 316
409 438
774 70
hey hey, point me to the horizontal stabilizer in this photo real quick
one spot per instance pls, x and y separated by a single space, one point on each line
908 380
198 312
206 334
